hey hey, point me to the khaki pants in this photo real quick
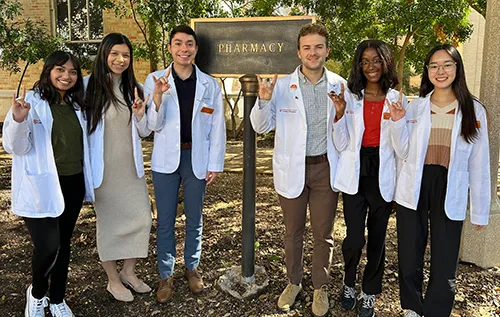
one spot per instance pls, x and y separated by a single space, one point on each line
322 202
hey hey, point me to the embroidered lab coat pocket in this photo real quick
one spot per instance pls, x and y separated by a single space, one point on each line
207 118
38 193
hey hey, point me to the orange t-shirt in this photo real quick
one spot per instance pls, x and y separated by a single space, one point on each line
372 115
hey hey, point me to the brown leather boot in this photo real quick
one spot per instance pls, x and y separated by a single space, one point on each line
195 281
165 290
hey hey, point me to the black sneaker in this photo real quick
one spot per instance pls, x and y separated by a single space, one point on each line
366 308
348 297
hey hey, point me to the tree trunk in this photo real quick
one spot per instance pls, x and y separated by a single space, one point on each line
153 58
240 128
233 122
402 53
153 65
22 77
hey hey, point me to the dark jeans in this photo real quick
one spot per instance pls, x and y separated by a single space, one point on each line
166 188
52 241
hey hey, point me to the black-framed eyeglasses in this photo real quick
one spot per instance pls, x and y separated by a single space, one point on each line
375 63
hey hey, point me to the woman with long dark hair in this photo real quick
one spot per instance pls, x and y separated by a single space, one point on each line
366 171
45 132
445 160
116 116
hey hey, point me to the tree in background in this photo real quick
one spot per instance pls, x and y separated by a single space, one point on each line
410 27
155 18
23 42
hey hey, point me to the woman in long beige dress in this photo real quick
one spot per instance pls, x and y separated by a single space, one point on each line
116 123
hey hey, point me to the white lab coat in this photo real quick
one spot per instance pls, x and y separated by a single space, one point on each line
285 112
208 145
96 143
36 192
348 135
468 171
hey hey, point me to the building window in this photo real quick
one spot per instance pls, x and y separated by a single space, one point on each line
79 21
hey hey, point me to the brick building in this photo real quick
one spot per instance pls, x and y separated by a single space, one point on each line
76 21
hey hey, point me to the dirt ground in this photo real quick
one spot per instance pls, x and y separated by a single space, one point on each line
478 289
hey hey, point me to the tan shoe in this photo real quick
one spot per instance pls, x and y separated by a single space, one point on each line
140 288
287 298
195 281
165 290
320 304
123 297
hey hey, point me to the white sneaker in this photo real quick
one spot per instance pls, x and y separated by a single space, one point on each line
34 307
61 310
411 313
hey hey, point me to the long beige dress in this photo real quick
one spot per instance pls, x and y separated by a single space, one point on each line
122 201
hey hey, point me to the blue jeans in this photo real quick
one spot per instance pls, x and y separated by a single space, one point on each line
166 188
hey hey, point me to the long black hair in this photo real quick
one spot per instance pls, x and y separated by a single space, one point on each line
99 94
469 129
49 93
389 78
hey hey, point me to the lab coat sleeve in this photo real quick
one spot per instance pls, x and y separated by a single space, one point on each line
154 118
479 174
142 126
340 134
400 135
217 135
17 137
263 117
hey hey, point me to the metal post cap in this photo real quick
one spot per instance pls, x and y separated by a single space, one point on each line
249 85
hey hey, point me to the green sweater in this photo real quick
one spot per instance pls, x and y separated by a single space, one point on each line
67 140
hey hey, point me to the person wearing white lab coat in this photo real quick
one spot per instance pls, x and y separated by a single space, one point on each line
445 159
297 107
45 133
367 166
117 121
187 115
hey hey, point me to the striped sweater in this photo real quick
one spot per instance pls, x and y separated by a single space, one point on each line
442 118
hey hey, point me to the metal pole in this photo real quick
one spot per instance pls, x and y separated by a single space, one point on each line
250 88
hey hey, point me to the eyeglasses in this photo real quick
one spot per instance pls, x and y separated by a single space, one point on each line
375 63
447 67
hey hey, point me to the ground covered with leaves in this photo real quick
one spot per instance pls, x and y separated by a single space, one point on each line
478 289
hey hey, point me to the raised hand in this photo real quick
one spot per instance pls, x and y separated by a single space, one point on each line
161 84
339 102
161 87
138 107
266 87
396 109
20 108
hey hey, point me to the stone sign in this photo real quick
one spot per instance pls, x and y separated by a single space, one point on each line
261 45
